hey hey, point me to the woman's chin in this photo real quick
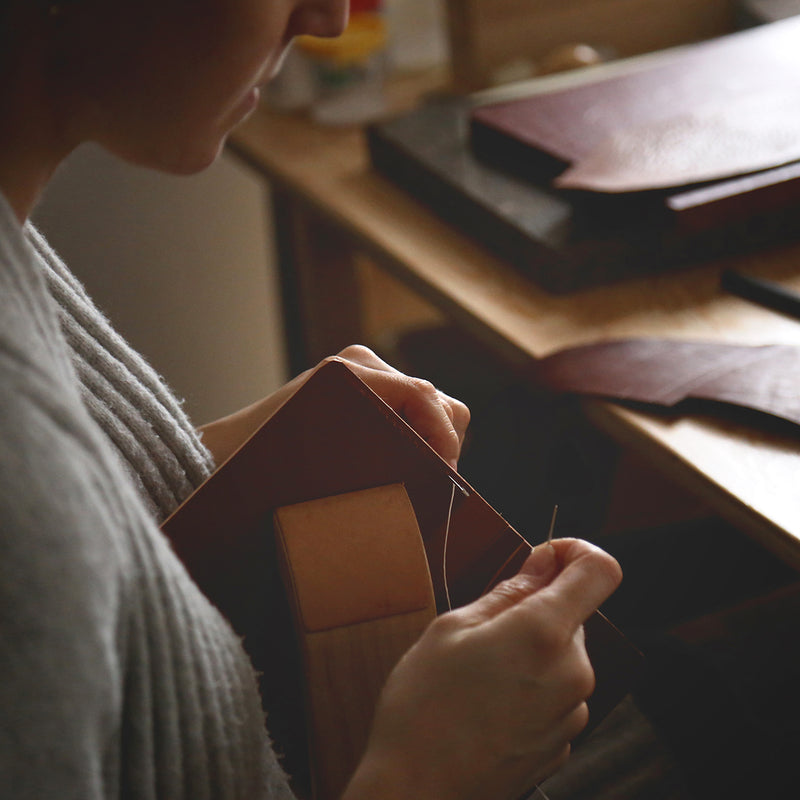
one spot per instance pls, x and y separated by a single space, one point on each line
184 160
192 162
186 147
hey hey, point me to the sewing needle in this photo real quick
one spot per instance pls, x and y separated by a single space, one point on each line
552 524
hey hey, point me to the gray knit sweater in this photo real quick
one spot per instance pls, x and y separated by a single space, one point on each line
117 677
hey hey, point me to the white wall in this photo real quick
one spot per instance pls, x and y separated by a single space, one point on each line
183 266
418 33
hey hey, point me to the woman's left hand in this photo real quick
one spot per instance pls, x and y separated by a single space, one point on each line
439 419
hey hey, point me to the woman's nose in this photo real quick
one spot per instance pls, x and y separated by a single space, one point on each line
326 18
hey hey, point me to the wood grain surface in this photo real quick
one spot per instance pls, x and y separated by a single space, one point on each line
750 476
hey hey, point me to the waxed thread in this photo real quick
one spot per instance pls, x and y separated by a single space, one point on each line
447 537
446 542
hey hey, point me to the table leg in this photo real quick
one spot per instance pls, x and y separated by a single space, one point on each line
322 302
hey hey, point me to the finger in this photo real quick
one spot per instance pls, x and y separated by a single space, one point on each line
423 409
419 403
458 413
459 416
439 419
443 399
560 735
574 722
539 569
359 355
570 578
549 754
587 578
563 729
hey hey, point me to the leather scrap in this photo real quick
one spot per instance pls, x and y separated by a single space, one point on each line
713 111
667 372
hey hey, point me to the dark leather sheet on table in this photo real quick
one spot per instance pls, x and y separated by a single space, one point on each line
665 373
562 241
714 110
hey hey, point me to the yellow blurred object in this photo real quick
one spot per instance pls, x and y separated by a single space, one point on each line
366 34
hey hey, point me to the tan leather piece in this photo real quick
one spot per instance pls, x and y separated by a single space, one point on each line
361 552
355 569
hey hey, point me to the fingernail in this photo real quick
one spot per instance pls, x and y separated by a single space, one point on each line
542 561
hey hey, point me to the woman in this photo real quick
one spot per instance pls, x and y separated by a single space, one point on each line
117 678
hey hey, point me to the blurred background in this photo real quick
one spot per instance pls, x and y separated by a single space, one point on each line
186 267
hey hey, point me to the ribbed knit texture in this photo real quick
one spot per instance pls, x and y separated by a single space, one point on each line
117 678
125 396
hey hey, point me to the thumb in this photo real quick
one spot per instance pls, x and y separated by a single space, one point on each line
538 571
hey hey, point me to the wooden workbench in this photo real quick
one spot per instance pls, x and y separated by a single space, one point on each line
331 209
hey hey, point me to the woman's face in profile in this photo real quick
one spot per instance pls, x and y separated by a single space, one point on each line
162 82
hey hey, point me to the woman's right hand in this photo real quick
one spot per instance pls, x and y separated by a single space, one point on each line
486 703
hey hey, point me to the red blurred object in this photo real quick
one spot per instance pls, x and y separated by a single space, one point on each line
364 5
